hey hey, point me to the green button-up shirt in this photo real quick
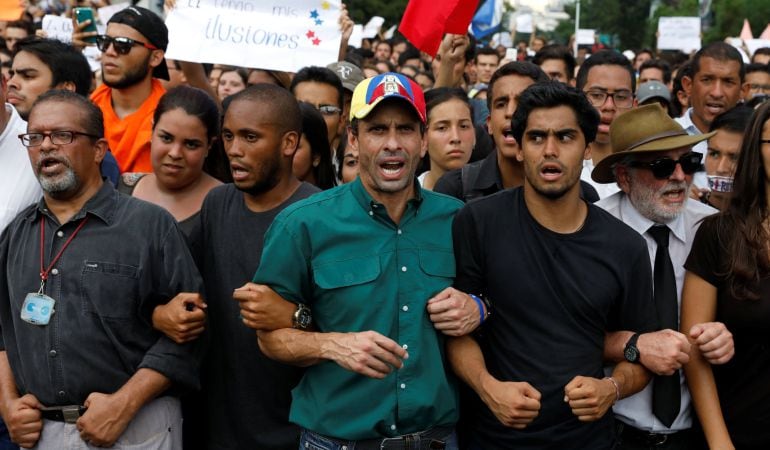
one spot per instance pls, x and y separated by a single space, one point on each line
340 253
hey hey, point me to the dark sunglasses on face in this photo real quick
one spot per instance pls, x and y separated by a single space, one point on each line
662 168
122 45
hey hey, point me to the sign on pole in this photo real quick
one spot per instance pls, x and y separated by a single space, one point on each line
679 33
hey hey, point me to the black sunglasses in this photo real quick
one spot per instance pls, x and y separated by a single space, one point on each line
662 168
122 45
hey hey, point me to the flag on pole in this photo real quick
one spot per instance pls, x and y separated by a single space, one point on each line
425 21
487 19
746 31
765 34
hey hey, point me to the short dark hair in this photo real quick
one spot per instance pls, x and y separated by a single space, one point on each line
605 58
67 64
410 53
659 64
756 67
242 72
685 70
520 68
279 102
644 50
94 119
719 51
560 52
319 74
760 51
194 102
550 94
314 130
23 24
734 119
486 51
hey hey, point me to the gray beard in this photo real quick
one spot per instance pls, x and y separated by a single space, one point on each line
61 184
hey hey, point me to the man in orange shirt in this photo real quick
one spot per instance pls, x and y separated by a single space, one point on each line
132 57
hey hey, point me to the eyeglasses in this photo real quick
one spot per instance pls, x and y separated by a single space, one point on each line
764 88
662 168
329 110
622 99
57 137
122 45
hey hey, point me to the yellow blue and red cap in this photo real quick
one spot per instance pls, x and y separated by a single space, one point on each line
370 92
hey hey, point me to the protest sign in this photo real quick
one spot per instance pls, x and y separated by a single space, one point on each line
585 36
59 28
524 23
274 34
372 28
11 10
754 44
106 12
679 33
357 36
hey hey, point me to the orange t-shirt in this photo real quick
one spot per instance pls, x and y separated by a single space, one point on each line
129 138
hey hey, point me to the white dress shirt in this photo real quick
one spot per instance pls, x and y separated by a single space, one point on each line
18 186
699 179
637 409
603 189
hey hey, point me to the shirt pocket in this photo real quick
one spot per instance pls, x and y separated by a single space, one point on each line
438 263
349 272
109 290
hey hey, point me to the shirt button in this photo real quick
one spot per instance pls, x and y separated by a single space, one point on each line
399 231
403 268
62 393
392 427
52 353
405 308
405 347
60 233
371 213
54 271
403 386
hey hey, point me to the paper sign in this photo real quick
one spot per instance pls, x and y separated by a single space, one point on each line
754 44
679 33
59 28
372 28
357 36
274 34
106 12
11 10
524 23
585 36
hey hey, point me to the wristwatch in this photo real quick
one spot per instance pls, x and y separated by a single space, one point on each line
302 317
631 352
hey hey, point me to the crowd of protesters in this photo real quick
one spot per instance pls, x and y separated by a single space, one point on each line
395 251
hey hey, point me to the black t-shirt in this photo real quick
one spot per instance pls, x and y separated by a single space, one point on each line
553 297
743 383
248 395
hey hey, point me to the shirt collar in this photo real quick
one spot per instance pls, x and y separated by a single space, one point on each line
631 217
688 124
368 203
489 174
102 205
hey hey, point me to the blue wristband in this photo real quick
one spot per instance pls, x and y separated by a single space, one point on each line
480 303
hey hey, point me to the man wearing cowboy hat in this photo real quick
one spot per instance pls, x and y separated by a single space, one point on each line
653 164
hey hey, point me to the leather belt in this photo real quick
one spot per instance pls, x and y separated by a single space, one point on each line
67 414
647 438
433 439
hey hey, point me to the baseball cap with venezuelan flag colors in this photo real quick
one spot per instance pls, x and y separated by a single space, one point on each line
370 92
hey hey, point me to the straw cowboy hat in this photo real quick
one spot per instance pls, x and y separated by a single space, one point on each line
643 130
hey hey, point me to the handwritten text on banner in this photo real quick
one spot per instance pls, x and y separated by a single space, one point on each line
280 34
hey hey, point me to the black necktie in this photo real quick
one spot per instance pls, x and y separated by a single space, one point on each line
665 390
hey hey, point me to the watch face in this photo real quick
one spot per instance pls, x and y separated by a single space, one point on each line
631 354
304 318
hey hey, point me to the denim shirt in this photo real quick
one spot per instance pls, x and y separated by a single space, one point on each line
340 252
128 258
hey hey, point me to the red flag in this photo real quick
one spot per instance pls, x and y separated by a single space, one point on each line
425 21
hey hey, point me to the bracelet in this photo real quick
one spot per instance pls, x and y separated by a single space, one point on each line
480 303
617 388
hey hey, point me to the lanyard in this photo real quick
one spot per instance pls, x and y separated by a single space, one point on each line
45 271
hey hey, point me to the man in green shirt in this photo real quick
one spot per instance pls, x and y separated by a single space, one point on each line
373 260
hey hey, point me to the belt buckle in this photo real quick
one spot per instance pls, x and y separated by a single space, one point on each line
70 413
656 439
407 441
385 441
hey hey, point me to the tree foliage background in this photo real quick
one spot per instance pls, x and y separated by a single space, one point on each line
363 10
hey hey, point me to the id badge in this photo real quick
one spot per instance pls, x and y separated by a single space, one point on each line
37 309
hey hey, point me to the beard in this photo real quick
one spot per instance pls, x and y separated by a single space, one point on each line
268 175
648 200
131 77
61 184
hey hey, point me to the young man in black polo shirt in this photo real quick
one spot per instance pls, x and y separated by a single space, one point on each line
559 273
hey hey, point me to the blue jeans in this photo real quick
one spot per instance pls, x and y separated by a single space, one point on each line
5 438
312 441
